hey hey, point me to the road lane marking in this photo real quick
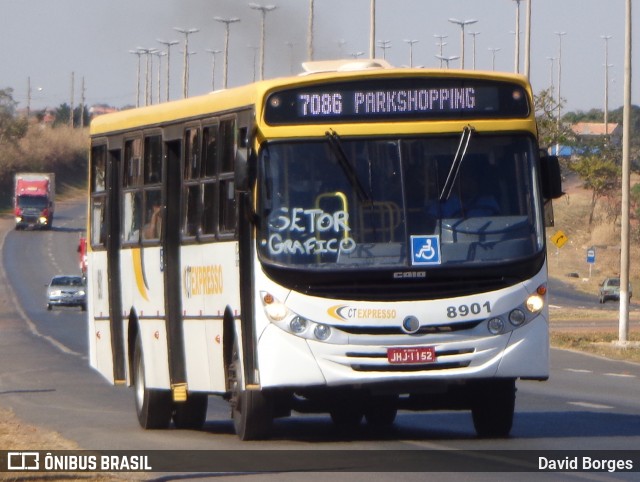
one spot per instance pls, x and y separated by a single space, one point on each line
577 370
591 405
620 375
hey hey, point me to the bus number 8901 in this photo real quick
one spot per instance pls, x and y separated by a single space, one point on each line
466 310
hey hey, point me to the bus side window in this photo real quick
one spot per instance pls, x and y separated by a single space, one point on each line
227 200
131 217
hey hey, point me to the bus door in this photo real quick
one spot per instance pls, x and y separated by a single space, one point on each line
113 264
171 269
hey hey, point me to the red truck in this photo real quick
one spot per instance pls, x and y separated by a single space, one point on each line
34 200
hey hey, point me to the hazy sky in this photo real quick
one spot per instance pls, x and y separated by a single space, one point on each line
47 40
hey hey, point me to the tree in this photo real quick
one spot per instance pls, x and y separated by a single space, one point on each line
600 173
549 131
11 128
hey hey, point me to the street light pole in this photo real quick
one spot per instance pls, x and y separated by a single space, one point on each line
384 45
493 50
139 54
160 54
185 74
474 35
372 31
517 47
560 35
227 22
441 44
527 42
310 32
463 24
606 83
213 53
168 44
263 10
411 42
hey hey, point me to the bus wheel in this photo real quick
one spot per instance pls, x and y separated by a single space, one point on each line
251 410
193 413
152 406
493 408
381 411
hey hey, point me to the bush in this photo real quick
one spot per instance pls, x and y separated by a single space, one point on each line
62 150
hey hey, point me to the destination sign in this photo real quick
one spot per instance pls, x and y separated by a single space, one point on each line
387 99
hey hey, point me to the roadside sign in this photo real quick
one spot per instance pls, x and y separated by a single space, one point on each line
591 256
559 239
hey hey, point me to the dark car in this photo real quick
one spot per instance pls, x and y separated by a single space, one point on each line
67 290
610 290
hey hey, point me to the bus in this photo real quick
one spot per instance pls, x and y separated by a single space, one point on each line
353 241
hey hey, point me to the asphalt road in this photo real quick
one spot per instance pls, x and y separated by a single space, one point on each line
588 404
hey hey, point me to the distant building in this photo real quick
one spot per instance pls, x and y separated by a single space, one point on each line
96 110
589 131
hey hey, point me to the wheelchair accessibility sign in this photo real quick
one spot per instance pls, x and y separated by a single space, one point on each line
425 250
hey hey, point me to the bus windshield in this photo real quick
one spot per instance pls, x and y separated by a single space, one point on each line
399 203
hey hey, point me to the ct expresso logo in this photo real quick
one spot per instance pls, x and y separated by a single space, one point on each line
350 313
203 280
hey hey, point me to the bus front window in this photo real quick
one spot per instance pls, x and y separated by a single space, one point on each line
359 203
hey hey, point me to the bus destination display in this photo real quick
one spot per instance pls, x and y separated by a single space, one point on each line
397 99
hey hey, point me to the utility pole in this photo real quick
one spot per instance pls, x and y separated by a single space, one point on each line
623 330
72 89
82 100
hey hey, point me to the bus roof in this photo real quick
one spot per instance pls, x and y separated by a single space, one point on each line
251 95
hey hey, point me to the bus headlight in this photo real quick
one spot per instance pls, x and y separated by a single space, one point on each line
275 310
298 325
535 303
322 332
495 326
517 317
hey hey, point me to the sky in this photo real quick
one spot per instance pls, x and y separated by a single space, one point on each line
44 43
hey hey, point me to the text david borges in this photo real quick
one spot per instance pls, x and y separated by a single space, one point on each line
568 464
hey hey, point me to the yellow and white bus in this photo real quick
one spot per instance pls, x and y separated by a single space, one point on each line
353 241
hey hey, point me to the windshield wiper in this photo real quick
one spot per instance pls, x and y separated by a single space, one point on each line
465 138
335 143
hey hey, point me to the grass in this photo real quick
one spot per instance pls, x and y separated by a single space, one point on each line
602 343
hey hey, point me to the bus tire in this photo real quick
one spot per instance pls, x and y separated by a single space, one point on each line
192 413
493 408
153 406
251 410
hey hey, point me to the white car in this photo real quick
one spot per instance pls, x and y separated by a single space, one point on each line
67 290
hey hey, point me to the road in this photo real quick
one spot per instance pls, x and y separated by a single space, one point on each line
588 404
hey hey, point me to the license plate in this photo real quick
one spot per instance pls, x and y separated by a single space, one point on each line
405 356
